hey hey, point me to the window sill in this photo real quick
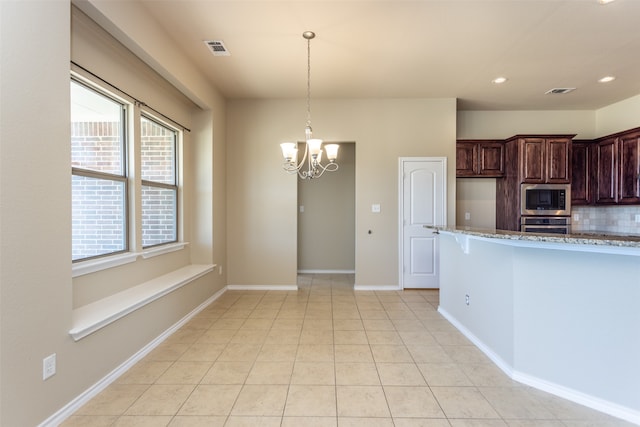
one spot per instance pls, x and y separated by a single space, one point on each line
95 265
164 249
91 266
92 317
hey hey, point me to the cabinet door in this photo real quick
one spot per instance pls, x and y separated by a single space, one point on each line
532 162
580 173
491 159
606 171
629 168
557 164
466 159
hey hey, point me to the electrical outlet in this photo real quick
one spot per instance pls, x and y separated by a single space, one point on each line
467 216
467 300
48 366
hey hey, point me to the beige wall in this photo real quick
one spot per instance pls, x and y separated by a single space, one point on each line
477 197
617 117
327 226
504 124
35 197
37 293
262 201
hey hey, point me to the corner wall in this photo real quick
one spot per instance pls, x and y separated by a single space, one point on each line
36 288
35 203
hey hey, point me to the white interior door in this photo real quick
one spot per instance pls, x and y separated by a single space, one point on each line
423 202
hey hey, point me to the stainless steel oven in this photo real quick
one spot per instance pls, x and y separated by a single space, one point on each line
545 224
545 199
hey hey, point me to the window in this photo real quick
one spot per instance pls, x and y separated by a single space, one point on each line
105 193
159 183
99 180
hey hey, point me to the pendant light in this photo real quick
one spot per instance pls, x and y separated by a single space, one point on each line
310 166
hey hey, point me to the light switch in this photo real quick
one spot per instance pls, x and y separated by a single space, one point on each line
301 209
375 208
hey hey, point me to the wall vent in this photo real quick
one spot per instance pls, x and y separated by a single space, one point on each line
217 47
559 90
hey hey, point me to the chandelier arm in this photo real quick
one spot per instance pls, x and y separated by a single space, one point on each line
305 155
331 167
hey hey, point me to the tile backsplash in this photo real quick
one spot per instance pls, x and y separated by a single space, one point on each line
611 219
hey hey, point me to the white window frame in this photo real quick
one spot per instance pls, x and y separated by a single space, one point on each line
124 158
135 112
175 186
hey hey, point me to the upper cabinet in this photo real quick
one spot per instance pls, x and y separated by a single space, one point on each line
607 170
581 172
479 158
629 165
543 159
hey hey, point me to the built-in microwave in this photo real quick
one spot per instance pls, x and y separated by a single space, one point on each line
546 199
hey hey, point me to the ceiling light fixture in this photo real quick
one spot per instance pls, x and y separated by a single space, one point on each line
606 79
313 146
605 1
499 80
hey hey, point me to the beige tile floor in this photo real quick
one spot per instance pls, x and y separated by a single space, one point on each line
324 356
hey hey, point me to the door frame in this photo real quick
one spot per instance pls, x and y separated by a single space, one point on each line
401 163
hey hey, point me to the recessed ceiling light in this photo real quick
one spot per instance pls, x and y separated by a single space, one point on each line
606 79
605 1
499 80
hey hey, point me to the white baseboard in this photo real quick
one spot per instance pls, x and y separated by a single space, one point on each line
376 288
71 407
262 287
326 272
572 395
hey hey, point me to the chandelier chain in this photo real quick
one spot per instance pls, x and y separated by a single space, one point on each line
309 82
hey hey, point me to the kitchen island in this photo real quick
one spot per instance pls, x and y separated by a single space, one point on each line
556 312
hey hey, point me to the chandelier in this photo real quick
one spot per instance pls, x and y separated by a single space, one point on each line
311 164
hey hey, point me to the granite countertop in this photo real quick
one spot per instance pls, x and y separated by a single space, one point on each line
588 238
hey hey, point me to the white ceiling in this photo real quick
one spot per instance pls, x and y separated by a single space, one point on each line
422 49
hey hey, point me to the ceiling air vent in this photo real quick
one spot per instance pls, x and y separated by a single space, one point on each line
217 47
559 90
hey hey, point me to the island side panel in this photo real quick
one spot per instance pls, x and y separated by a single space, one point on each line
577 323
485 275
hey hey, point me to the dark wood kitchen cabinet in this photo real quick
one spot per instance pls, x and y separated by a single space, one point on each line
530 159
606 168
466 158
545 159
629 168
479 158
617 168
581 172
